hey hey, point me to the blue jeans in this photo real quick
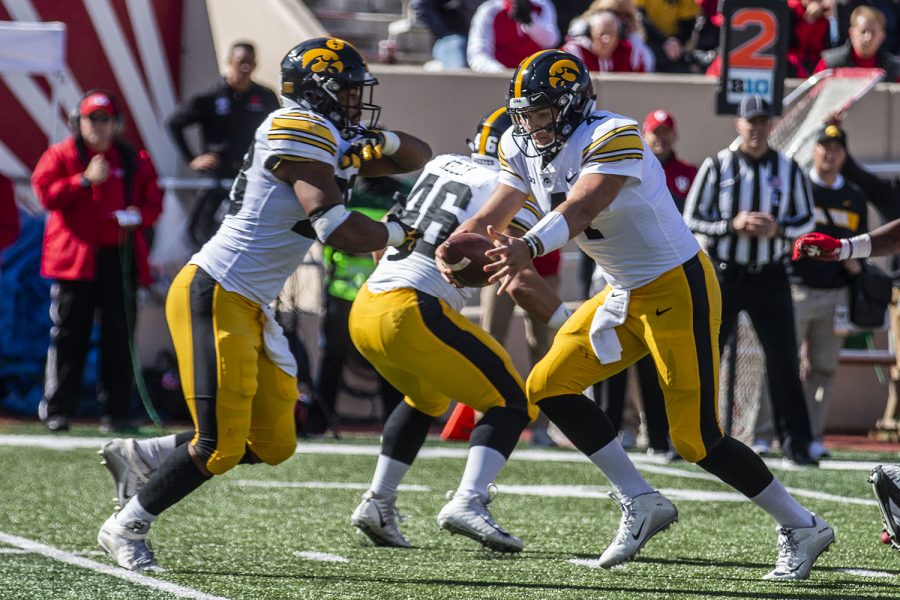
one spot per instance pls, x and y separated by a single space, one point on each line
450 51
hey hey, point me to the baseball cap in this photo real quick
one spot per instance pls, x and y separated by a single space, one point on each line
97 101
659 117
832 133
754 106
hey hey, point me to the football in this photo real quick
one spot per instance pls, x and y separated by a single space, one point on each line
464 254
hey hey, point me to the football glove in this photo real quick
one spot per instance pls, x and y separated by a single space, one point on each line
369 145
411 234
816 245
885 480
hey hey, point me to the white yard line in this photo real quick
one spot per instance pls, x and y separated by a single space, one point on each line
321 556
71 558
556 491
658 463
867 573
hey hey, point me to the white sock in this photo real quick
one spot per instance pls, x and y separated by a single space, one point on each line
132 512
782 507
388 475
482 467
155 450
621 472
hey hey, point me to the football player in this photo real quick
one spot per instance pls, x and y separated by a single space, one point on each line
237 374
592 174
406 321
885 480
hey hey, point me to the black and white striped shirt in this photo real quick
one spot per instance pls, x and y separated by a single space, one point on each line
732 182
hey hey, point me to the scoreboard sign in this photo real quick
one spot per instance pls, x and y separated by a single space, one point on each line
753 48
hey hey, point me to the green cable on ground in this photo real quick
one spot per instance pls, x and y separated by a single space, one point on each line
125 258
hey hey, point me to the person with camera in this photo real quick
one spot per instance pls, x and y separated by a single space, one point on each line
100 195
820 290
750 202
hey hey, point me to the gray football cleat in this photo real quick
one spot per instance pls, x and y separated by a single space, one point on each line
468 515
642 517
129 472
377 517
128 545
798 549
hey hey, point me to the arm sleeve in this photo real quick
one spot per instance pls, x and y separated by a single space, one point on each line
878 192
54 186
799 218
9 214
185 116
149 196
543 29
480 47
701 209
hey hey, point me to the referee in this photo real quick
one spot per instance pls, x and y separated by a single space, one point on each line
750 203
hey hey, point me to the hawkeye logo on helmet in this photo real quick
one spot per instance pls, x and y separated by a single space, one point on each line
323 60
562 73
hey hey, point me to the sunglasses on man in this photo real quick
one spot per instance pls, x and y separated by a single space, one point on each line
98 117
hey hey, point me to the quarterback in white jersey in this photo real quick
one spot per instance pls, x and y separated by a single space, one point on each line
604 189
406 321
238 380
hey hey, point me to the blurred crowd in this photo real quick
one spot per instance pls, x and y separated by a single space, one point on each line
652 36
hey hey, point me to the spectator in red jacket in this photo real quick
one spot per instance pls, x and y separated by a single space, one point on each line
606 50
504 32
9 214
810 30
660 135
101 195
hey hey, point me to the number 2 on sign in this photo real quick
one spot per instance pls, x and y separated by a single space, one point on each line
750 54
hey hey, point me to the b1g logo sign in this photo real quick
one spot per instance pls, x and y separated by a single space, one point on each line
753 50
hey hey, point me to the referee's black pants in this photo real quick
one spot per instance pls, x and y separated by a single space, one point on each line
73 305
766 297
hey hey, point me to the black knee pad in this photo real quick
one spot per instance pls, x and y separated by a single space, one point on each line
500 428
738 466
581 420
404 433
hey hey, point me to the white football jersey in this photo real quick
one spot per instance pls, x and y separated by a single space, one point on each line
451 189
640 235
267 233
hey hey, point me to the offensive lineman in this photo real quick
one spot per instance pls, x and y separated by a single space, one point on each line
588 172
238 377
406 322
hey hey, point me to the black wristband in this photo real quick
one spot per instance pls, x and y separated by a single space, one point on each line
533 245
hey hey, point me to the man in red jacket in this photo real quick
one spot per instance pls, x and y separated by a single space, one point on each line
101 195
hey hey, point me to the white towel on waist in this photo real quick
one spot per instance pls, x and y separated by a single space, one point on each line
611 314
276 344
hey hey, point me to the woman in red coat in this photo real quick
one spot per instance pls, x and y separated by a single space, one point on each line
100 195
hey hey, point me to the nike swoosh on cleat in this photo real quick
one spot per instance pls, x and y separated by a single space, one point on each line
659 313
641 528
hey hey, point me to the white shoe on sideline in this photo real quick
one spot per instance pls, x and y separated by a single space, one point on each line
129 472
798 550
128 545
761 447
468 515
817 450
377 517
642 518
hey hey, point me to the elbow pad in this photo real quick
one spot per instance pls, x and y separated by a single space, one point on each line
325 222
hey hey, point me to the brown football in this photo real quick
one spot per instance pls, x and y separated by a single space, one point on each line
464 254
